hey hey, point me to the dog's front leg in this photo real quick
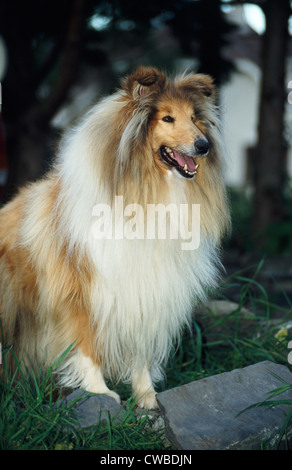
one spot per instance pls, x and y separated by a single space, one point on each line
143 389
93 380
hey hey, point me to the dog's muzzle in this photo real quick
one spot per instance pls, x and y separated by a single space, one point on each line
184 163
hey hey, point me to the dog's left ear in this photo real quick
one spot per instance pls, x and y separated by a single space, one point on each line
198 83
143 82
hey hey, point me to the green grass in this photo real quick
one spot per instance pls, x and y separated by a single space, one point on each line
33 416
277 235
271 402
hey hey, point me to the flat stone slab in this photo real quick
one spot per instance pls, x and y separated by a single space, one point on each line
91 409
203 414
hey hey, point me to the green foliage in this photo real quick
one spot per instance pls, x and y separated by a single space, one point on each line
34 417
241 216
30 418
277 236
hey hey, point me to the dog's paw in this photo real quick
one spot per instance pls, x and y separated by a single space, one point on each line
148 400
114 395
105 391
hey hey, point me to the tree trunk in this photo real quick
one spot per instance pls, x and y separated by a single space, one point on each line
270 153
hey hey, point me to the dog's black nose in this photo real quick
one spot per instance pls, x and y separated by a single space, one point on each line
202 147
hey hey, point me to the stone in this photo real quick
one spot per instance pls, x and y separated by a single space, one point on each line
91 409
205 415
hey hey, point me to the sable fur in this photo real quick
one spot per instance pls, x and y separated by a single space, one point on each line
122 303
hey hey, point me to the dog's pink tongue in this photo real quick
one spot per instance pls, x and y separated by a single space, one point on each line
184 159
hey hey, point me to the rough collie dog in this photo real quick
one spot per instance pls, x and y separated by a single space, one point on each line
119 297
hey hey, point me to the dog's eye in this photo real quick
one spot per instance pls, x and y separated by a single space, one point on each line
198 115
168 119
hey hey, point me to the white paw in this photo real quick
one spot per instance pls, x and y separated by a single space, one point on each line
148 401
114 395
104 391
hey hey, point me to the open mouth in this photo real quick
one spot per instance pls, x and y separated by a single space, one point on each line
185 165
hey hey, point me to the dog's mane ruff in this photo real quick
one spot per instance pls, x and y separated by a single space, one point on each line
84 153
95 158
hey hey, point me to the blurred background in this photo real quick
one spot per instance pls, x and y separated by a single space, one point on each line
58 57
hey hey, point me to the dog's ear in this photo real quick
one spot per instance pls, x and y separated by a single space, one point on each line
143 82
205 83
198 83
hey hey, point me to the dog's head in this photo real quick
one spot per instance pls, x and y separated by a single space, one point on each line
176 116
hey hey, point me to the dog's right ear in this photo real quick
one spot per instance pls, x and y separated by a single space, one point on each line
143 82
199 83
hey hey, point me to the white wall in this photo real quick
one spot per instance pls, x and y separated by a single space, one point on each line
239 105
